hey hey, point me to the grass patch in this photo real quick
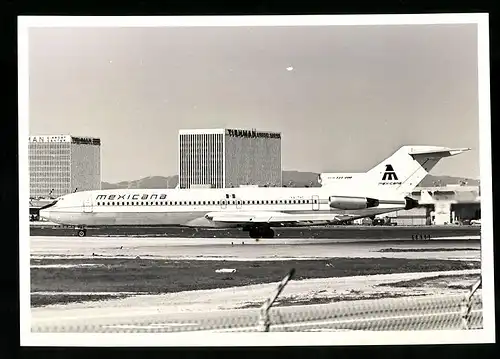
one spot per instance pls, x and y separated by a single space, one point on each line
167 276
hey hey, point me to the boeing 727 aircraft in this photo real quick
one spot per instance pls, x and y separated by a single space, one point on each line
256 210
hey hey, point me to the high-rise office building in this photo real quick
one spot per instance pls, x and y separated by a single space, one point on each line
62 164
223 158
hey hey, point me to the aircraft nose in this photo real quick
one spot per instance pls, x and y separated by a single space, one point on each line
44 214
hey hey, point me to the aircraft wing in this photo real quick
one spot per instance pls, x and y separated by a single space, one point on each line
281 219
266 217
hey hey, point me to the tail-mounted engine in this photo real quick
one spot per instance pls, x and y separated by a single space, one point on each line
352 203
410 203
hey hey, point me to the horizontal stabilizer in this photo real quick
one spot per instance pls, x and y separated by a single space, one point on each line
439 152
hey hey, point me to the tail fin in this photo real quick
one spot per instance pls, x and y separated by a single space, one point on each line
406 168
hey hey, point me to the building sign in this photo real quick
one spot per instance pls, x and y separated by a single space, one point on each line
86 141
60 138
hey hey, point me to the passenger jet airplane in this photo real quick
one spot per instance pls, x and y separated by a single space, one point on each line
383 189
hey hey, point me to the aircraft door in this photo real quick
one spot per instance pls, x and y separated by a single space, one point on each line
223 203
315 203
87 205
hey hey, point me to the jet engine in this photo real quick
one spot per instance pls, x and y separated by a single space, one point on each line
410 203
353 203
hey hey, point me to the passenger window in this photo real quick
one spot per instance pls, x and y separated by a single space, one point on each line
227 196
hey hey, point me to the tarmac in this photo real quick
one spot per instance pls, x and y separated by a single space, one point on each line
250 250
323 232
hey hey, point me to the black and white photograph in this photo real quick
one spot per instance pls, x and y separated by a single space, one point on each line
275 180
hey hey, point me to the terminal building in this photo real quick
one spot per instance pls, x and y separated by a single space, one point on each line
226 158
62 164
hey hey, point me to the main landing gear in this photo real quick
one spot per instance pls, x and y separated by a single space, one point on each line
260 232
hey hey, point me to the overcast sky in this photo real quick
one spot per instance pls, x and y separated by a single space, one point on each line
355 94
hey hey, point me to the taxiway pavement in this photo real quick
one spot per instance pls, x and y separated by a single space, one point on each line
237 249
324 232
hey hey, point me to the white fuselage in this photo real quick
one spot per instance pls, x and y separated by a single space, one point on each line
189 207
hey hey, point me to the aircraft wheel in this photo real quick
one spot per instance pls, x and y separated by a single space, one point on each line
82 232
254 233
268 233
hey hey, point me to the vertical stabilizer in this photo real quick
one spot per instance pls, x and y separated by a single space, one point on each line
406 168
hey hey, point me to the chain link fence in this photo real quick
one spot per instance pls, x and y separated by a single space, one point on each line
428 312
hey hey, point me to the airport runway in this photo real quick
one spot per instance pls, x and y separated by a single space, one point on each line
249 250
323 232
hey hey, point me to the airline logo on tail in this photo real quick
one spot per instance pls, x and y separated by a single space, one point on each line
390 175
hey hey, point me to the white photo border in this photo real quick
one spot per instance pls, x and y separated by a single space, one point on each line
486 335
